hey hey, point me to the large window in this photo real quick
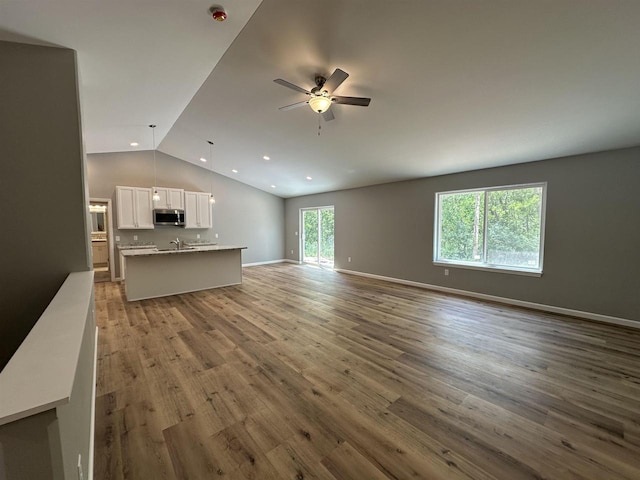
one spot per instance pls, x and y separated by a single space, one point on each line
496 228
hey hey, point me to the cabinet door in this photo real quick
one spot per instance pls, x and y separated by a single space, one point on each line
125 207
191 210
144 207
165 199
100 253
204 209
176 198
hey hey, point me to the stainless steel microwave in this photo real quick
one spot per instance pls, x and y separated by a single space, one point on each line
168 217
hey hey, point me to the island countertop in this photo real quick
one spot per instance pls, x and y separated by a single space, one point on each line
170 251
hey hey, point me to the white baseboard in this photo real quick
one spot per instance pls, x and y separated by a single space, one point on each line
268 262
509 301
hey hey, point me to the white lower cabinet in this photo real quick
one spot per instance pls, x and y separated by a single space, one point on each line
100 253
134 208
197 210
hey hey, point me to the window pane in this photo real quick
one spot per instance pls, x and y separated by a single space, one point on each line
310 232
462 226
326 236
513 227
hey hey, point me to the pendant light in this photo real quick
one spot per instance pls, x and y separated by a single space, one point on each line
156 195
212 199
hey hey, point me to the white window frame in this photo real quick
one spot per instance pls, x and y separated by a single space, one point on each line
535 272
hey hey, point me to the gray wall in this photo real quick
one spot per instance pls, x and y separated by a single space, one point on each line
31 448
242 215
592 241
44 235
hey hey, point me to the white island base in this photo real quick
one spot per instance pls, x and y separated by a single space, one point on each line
151 274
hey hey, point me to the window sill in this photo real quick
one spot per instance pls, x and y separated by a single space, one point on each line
487 268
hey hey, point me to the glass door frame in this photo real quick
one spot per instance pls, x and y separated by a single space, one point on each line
302 234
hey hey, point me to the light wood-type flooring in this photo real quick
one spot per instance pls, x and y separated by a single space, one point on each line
302 373
101 274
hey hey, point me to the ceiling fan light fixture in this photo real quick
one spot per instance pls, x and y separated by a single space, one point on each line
320 103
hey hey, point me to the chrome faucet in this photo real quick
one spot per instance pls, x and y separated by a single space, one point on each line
176 242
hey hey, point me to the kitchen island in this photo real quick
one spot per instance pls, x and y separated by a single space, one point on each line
153 272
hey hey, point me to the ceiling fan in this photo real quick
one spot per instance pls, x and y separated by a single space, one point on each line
321 96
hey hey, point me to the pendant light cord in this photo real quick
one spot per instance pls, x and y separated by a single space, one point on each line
153 139
211 197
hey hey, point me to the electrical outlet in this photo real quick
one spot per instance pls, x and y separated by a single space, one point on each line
117 238
446 272
349 259
291 252
197 235
135 237
216 235
296 234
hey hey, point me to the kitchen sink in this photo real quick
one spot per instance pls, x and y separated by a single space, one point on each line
175 249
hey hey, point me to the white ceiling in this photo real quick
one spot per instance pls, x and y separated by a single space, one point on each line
455 85
139 61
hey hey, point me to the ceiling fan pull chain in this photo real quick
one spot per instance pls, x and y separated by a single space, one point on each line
319 124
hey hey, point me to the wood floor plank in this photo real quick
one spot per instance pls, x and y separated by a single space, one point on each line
345 463
292 460
201 347
303 373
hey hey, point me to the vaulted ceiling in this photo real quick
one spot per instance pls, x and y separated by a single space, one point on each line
455 85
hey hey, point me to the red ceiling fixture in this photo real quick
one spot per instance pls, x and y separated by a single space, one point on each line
218 14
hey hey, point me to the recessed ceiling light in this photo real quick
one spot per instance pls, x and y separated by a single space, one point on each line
234 170
273 186
309 178
266 157
134 144
203 159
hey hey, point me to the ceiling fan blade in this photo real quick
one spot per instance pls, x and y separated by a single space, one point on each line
328 115
335 80
290 85
359 101
293 105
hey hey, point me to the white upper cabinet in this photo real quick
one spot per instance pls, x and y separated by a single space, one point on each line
204 210
170 198
134 206
197 210
190 209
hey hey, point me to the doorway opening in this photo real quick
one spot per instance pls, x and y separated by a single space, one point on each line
101 239
317 226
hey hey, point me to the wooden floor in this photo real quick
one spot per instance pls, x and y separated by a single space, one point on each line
301 373
101 274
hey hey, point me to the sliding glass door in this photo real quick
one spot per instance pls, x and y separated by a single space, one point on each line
317 236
